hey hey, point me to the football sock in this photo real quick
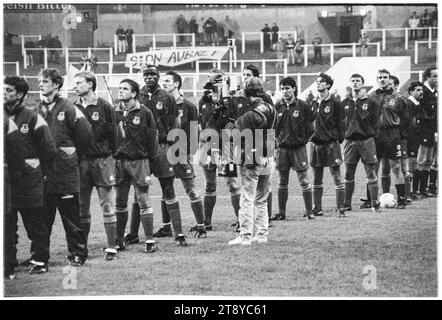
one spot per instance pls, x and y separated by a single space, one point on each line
235 203
386 182
349 189
197 208
340 197
400 189
416 181
146 218
164 213
283 195
317 196
407 187
174 211
86 226
424 180
269 204
433 179
134 219
373 191
209 203
368 192
122 218
111 233
307 195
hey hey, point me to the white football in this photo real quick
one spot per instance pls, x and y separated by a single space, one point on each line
387 200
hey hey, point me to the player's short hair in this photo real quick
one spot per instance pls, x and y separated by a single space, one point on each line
90 77
176 77
150 66
53 74
357 75
427 72
254 88
395 80
288 81
252 68
413 86
19 83
384 71
326 78
133 84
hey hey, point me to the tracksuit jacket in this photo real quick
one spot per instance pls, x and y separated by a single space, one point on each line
101 116
294 125
328 124
38 151
164 110
361 118
426 118
72 134
140 136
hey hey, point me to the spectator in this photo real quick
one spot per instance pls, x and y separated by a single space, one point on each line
181 26
219 34
193 27
434 22
40 53
55 54
275 33
299 49
363 41
426 23
414 23
121 36
310 97
7 38
279 48
201 31
290 46
210 29
129 37
266 35
30 53
228 28
89 63
317 41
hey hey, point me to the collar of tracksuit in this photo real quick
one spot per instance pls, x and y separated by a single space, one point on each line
413 99
146 91
132 105
388 91
360 96
293 103
93 102
17 108
319 100
429 88
50 105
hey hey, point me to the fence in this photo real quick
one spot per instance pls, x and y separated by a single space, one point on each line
416 48
17 66
154 40
406 32
22 38
261 38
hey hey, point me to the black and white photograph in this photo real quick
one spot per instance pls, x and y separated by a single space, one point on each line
220 150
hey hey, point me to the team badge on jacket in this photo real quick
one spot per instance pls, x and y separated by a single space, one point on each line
327 109
296 113
159 105
60 116
95 116
391 103
24 128
365 106
136 120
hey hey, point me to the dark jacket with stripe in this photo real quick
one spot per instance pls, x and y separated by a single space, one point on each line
101 116
163 107
72 134
188 112
426 118
328 123
139 139
35 159
361 118
294 125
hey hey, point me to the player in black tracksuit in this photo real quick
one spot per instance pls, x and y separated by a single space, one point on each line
293 130
37 149
415 90
72 134
388 144
361 126
136 149
426 130
189 141
325 148
166 115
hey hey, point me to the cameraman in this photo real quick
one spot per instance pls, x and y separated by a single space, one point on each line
215 112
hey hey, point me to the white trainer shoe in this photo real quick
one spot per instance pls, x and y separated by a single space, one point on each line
260 238
244 240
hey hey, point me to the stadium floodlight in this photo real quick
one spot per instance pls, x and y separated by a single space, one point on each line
324 14
363 12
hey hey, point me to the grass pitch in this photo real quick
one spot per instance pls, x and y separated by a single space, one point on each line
363 255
